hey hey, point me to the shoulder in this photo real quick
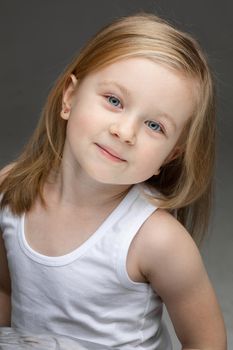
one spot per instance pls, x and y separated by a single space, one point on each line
162 230
169 256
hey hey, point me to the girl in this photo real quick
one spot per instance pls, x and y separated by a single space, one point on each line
95 212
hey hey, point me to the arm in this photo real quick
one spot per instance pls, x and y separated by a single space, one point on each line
5 288
175 270
5 283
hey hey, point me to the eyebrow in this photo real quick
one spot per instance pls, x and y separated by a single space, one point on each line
124 90
169 119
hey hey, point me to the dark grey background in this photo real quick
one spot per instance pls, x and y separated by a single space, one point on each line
38 38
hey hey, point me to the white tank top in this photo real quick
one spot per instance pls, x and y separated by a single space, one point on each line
87 294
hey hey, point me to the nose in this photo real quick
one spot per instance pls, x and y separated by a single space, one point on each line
124 131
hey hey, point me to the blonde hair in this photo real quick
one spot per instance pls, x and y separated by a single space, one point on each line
185 183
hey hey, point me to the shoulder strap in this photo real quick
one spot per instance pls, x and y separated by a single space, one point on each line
140 210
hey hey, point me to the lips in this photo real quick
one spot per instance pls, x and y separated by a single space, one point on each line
111 152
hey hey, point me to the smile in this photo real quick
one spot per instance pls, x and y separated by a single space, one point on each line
109 153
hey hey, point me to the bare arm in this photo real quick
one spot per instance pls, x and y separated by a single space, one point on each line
175 270
5 283
5 288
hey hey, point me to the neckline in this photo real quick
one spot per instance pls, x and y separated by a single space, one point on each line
79 251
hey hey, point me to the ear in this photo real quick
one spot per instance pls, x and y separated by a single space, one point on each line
67 97
173 155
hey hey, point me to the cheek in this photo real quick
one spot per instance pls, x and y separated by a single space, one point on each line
152 156
80 123
155 152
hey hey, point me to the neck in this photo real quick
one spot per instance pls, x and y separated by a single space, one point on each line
79 190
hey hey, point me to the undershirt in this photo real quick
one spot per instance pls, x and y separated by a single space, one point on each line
87 293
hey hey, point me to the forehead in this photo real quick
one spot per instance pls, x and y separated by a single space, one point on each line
135 71
140 67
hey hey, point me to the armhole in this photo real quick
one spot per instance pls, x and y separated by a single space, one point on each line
124 241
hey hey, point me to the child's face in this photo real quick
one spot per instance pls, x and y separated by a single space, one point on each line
125 119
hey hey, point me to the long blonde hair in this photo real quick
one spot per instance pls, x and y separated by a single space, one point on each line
185 182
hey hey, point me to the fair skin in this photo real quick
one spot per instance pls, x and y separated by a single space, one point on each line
5 287
116 138
5 282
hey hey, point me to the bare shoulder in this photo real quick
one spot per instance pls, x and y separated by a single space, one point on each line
171 253
4 171
163 226
163 232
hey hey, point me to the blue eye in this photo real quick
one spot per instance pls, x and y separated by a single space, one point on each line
114 101
154 126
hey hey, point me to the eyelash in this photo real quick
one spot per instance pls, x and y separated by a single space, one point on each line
112 96
156 124
147 122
